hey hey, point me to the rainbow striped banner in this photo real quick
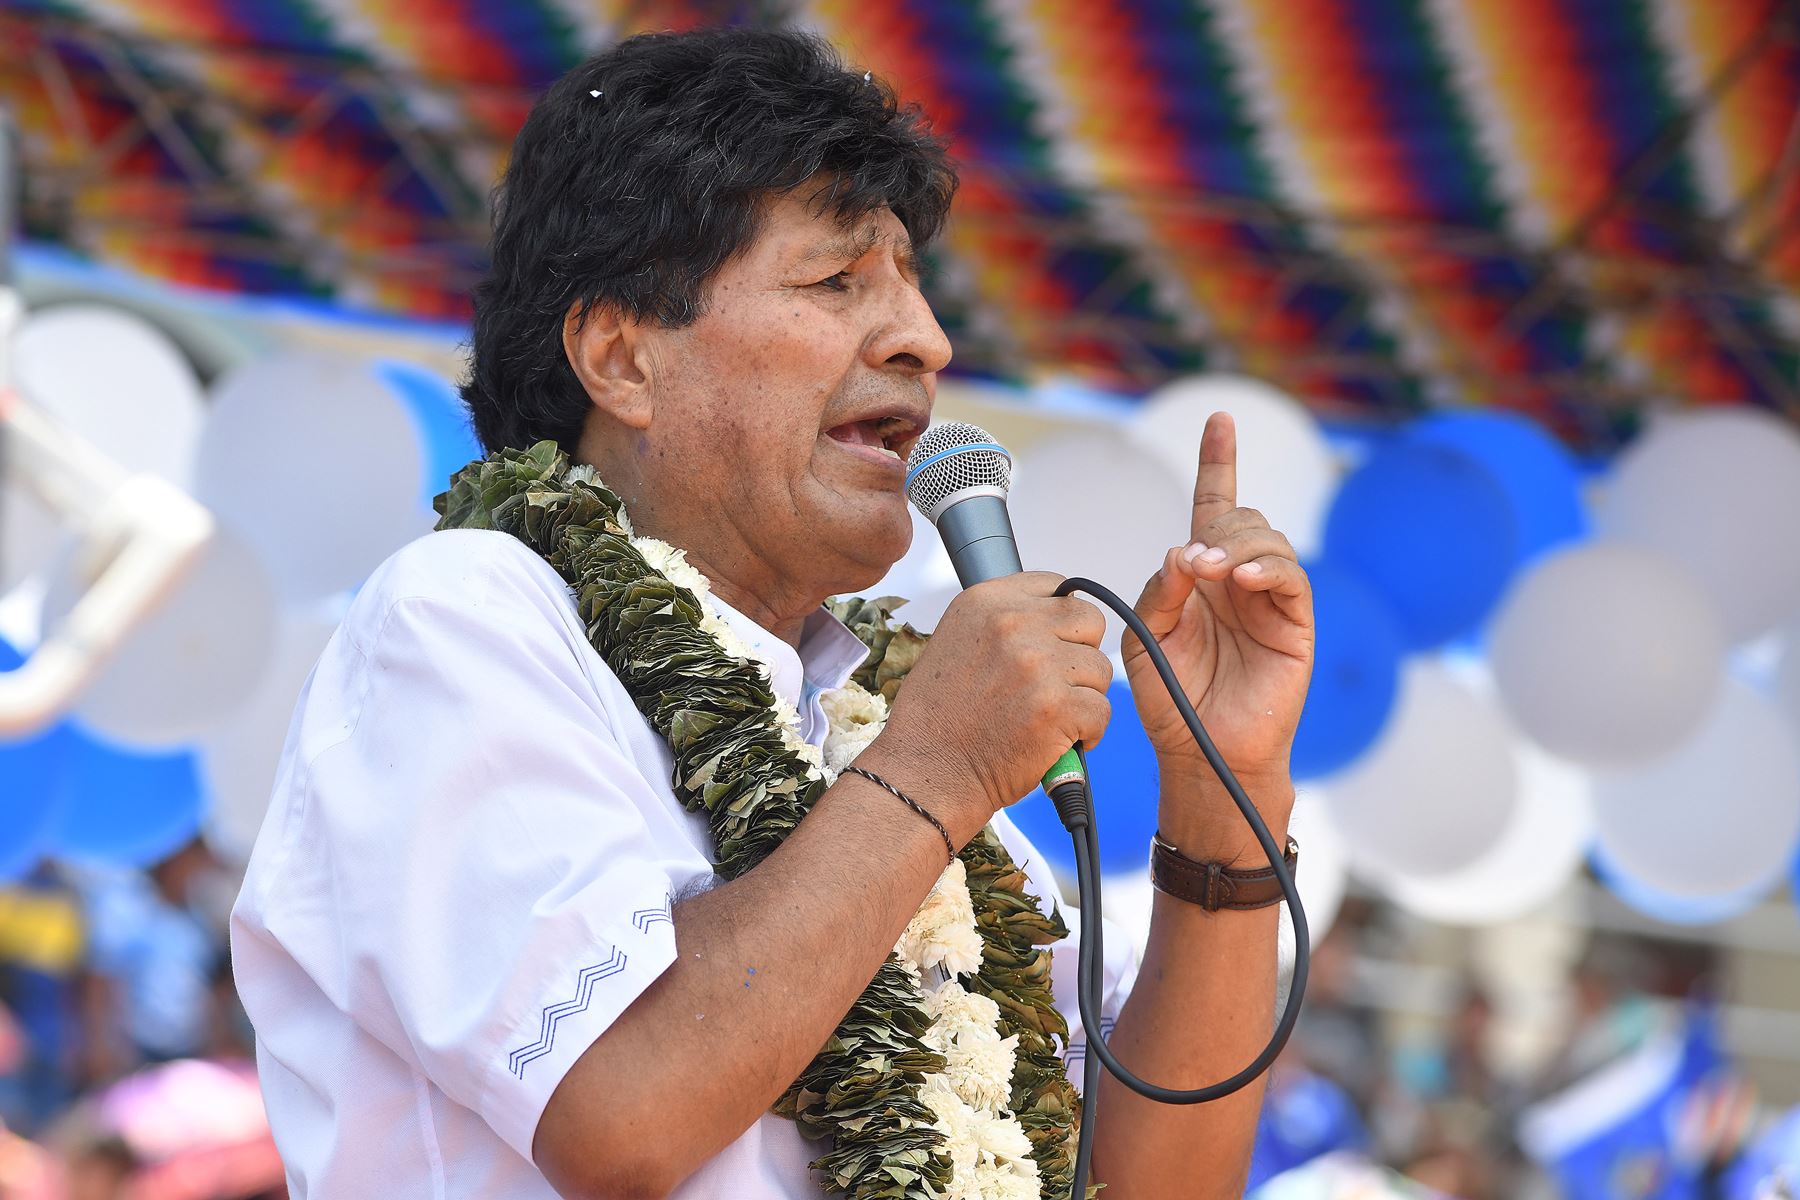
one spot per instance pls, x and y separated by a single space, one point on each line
1569 208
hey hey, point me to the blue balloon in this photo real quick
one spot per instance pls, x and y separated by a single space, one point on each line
32 788
1356 674
1537 472
1432 532
443 423
1672 910
128 807
1122 773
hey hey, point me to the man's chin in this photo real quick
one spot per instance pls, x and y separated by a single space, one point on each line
869 551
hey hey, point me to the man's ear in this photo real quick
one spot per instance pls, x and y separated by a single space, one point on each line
609 355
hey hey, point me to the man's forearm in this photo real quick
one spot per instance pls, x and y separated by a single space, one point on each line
767 966
1202 1008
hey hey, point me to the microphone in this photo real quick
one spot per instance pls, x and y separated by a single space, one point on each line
957 477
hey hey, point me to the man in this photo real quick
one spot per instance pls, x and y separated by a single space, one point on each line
705 285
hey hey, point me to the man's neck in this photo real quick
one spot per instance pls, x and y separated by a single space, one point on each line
785 618
737 576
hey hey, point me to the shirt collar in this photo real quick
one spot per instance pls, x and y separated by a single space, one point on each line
828 655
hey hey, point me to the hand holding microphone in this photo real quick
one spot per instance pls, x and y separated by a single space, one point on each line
1011 679
1014 676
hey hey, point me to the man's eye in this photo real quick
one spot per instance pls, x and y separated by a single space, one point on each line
837 282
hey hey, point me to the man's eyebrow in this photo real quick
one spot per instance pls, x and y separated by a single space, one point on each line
848 246
908 258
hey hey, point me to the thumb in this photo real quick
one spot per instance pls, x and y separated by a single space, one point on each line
1165 595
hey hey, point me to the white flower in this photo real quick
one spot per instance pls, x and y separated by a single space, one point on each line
955 1010
1003 1139
990 1156
841 750
853 704
809 753
1006 1181
981 1069
957 1121
855 717
728 640
942 933
978 1061
786 715
672 564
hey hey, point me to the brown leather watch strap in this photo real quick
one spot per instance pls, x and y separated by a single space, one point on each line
1212 885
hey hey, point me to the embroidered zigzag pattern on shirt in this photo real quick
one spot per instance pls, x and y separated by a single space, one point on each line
644 918
584 995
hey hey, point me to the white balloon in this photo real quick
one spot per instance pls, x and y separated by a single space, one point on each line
1324 862
1322 878
1719 816
1093 505
30 534
1719 488
1606 654
1438 788
1285 468
1787 675
1540 849
239 756
193 661
118 382
317 463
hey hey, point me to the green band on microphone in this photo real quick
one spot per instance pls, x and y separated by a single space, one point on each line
1067 767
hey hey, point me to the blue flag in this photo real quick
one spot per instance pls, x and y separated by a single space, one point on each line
1303 1116
1627 1131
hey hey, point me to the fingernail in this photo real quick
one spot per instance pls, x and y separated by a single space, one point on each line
1215 555
1250 568
1194 551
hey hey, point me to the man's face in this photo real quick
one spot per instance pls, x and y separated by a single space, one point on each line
782 418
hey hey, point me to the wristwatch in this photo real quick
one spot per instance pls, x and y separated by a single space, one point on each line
1213 886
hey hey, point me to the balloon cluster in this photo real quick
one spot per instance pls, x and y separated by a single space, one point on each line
1524 661
315 468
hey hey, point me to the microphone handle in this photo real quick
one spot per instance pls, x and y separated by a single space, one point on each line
979 537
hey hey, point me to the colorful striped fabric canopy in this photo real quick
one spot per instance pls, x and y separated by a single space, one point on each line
1571 208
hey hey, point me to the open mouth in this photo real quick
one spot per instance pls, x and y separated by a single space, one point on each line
881 439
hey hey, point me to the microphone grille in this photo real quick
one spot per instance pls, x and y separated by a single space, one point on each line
951 458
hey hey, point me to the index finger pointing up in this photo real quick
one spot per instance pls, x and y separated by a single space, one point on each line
1215 483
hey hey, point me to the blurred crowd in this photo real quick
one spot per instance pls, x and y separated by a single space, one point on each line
126 1061
1444 1103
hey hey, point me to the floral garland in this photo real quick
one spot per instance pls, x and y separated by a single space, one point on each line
943 1081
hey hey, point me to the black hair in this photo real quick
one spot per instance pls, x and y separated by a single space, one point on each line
640 173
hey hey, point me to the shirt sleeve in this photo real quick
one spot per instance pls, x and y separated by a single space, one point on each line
467 868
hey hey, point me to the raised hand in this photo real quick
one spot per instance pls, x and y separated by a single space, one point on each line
1232 611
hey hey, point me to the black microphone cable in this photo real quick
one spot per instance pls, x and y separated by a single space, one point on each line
1074 804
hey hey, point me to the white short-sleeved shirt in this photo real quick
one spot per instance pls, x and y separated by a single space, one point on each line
468 871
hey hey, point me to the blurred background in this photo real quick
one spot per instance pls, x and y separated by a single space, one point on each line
1503 295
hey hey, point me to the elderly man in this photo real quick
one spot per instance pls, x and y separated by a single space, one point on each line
481 937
